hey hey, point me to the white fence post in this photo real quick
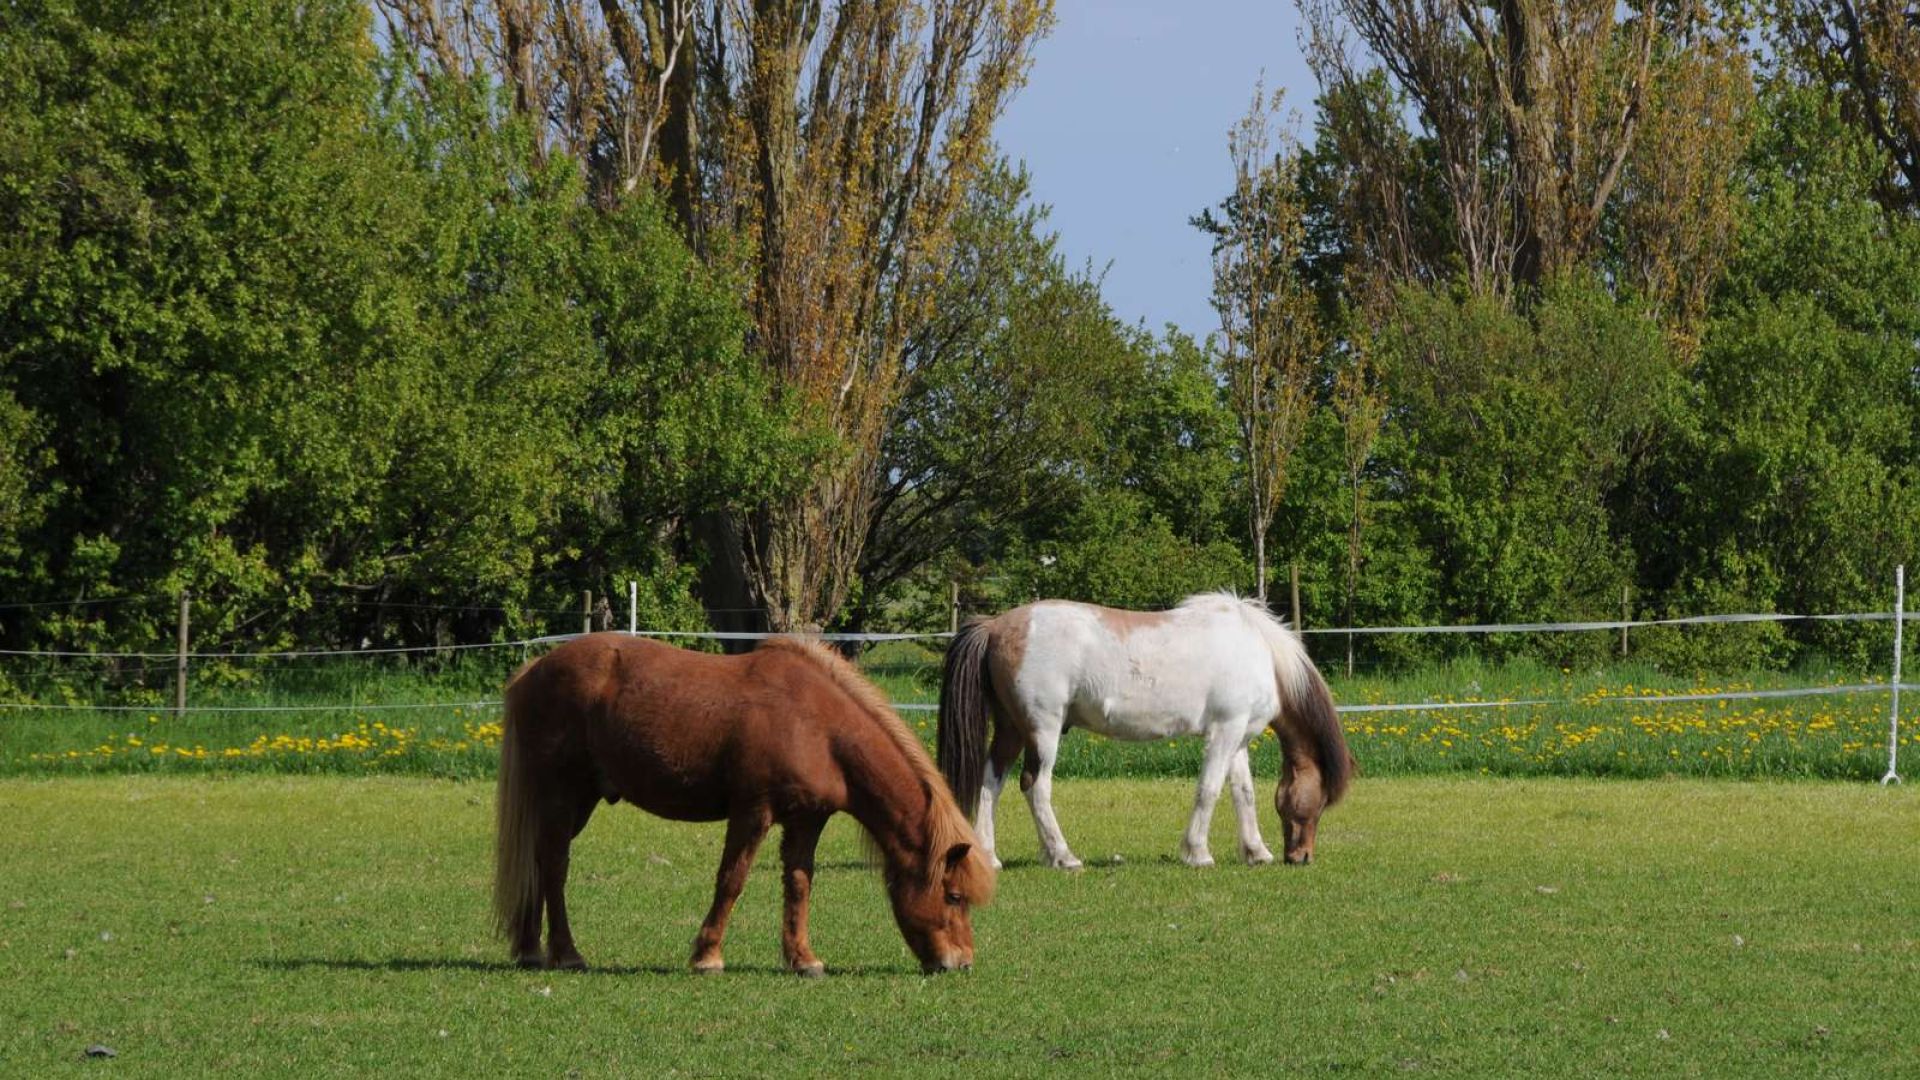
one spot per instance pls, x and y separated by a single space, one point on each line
633 606
1893 720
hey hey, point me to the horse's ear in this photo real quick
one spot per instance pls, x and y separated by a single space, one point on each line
957 854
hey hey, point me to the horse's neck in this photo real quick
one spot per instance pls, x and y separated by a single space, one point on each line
888 799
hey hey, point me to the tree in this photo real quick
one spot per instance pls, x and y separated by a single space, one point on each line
1270 337
1511 433
1794 482
822 149
1866 55
992 427
1530 113
1361 407
1152 517
1670 230
357 339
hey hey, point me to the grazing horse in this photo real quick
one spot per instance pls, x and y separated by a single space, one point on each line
788 734
1216 665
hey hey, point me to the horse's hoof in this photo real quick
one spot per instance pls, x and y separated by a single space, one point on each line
1259 858
530 961
1068 863
573 962
810 971
1198 862
708 967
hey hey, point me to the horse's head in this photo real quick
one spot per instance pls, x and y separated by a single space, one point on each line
1301 797
933 906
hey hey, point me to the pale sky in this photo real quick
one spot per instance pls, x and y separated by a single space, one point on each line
1123 126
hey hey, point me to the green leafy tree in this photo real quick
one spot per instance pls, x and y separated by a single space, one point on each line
993 429
283 327
1795 485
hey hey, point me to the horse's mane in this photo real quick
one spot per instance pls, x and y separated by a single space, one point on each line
1285 643
946 825
525 666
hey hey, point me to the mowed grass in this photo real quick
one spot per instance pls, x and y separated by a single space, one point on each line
359 715
276 925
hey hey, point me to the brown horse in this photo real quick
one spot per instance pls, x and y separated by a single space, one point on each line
788 734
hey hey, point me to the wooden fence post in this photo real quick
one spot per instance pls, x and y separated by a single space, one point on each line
1626 615
586 611
953 616
1294 577
180 667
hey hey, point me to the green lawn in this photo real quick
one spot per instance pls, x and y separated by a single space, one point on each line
313 925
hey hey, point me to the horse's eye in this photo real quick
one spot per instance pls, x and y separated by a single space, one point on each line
955 898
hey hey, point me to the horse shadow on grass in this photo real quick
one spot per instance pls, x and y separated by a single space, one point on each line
453 964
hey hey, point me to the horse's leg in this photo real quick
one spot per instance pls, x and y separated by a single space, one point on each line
1006 747
1043 747
563 823
798 838
1222 740
1240 776
745 830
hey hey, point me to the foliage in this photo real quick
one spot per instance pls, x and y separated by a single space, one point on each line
1519 427
1271 344
1865 56
1113 549
1796 480
284 325
992 431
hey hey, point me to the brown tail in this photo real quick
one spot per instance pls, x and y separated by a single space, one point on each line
516 891
964 687
1313 715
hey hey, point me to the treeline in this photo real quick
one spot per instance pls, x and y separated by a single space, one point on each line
407 325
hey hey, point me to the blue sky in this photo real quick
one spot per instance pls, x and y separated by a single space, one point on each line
1123 125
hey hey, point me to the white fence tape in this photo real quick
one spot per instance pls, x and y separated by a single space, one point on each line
28 706
752 635
921 706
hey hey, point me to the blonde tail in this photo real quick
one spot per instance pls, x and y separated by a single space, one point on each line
516 893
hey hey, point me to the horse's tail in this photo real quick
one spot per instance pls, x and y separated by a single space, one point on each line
964 686
1306 707
516 891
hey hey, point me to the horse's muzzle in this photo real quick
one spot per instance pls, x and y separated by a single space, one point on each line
950 962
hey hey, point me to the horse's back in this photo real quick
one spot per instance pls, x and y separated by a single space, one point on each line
678 733
1143 675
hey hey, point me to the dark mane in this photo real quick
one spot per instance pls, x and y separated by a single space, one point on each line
946 825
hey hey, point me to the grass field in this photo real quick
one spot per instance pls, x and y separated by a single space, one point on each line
274 925
423 721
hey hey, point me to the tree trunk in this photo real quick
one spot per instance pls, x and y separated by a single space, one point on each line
726 583
1353 566
1260 558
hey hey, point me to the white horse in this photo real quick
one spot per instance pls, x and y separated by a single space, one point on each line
1216 665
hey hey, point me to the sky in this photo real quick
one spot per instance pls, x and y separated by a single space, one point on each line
1123 127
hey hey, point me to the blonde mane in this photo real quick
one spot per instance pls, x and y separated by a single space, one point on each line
946 825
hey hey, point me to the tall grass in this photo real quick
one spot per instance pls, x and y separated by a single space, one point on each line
436 716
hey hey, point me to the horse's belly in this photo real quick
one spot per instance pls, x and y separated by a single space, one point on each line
662 782
681 805
1138 723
